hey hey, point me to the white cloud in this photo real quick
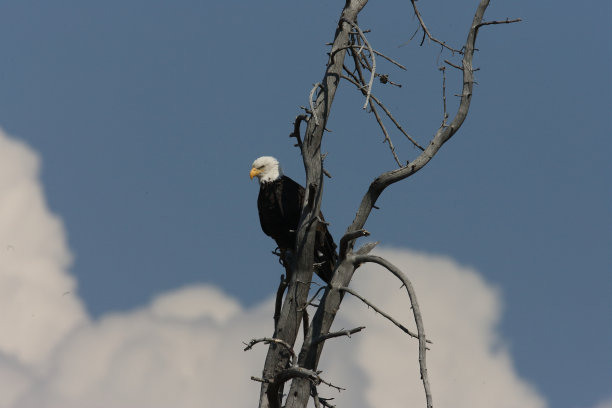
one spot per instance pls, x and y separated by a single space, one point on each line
35 313
605 403
468 364
142 359
185 348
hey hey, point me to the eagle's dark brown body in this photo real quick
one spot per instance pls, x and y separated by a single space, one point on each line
279 204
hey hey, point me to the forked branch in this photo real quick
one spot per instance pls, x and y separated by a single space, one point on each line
441 136
427 33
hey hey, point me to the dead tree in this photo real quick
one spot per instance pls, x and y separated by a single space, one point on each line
283 364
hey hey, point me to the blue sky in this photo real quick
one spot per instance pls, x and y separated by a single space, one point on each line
146 116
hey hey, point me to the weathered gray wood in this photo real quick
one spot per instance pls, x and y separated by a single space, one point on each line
297 292
280 366
441 136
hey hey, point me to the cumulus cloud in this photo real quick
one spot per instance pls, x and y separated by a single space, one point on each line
184 349
34 313
469 365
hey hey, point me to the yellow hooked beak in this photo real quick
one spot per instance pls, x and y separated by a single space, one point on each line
254 172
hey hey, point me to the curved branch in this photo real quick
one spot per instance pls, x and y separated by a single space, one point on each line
348 238
441 136
296 129
416 311
285 375
268 340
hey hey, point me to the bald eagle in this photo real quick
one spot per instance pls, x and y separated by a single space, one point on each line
280 204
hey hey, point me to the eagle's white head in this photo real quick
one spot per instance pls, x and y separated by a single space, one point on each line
266 169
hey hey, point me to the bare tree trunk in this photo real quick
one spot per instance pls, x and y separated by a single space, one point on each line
282 364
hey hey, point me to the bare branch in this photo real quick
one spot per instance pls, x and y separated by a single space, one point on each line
416 311
445 115
346 240
506 21
298 372
353 47
340 333
426 30
285 375
314 297
387 138
366 248
379 311
330 384
327 174
268 340
312 109
441 136
373 70
318 401
391 60
389 115
453 65
296 129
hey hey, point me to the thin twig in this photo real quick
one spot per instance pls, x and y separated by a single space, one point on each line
453 65
426 30
374 111
387 138
268 340
441 136
377 310
318 401
301 372
330 384
313 297
506 21
339 333
373 70
389 115
391 60
443 69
